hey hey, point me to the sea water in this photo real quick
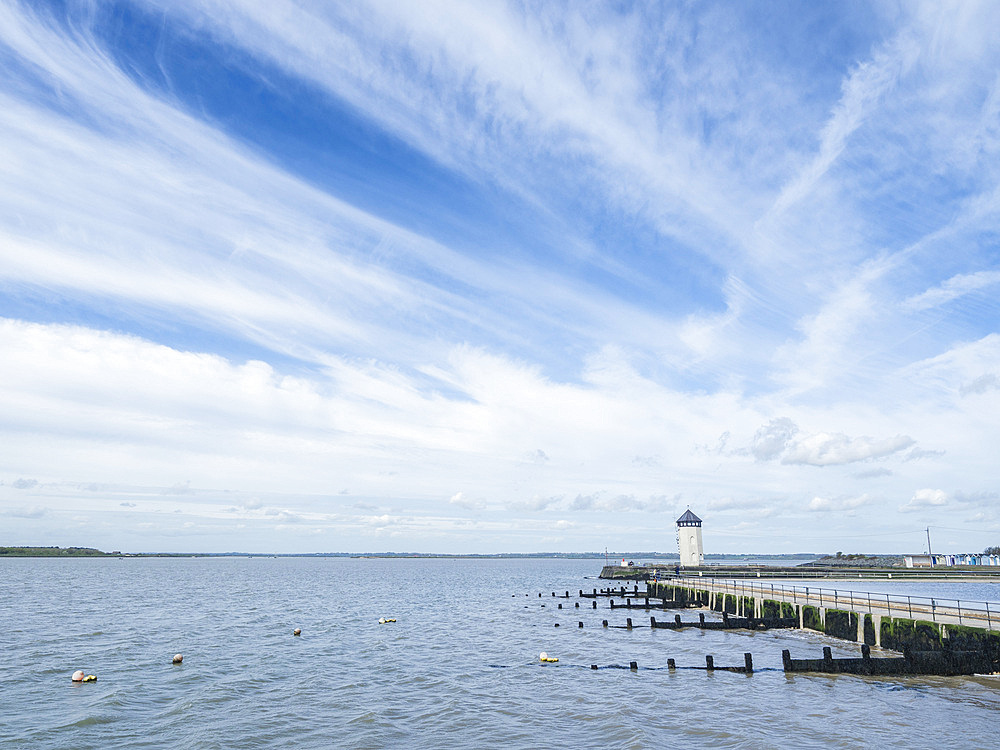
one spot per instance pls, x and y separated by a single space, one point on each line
458 668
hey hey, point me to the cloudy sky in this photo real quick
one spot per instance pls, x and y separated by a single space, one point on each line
499 276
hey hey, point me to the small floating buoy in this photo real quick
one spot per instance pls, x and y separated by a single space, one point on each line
178 658
297 631
90 678
381 621
384 620
78 676
546 658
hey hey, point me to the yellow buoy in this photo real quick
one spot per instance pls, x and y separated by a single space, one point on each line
546 658
90 678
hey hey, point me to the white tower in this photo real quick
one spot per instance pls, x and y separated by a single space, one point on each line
689 540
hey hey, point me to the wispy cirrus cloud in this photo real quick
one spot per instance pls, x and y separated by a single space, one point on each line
486 265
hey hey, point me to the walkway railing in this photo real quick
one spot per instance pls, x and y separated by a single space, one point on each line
964 612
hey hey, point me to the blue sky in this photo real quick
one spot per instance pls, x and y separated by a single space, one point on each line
483 277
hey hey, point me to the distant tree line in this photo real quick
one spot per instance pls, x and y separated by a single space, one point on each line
51 552
991 551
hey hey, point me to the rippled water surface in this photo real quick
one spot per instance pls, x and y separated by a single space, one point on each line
458 668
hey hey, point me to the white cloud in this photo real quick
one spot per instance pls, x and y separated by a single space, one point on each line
828 450
925 498
953 288
831 504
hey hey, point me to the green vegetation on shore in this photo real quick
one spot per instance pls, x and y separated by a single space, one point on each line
51 552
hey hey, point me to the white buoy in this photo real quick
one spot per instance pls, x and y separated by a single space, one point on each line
178 658
543 656
381 621
297 631
78 676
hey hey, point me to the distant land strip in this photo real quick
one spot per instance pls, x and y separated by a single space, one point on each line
28 551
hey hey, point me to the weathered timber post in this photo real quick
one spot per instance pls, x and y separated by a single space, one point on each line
748 662
677 619
671 664
866 651
593 666
604 623
578 605
633 665
786 660
710 663
652 622
827 657
628 623
581 592
581 624
701 618
560 605
595 604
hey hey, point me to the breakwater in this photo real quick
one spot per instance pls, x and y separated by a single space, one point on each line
938 637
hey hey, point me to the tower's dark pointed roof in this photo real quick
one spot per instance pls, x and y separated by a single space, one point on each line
689 519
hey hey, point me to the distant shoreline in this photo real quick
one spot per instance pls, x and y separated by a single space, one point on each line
27 551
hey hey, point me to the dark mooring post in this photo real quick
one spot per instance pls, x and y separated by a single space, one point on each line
578 605
827 656
748 662
633 665
580 625
786 660
671 664
628 623
866 651
652 622
701 618
595 605
677 619
604 623
560 605
710 663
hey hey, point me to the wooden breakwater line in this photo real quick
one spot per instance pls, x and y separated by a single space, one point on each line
862 618
946 645
944 662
